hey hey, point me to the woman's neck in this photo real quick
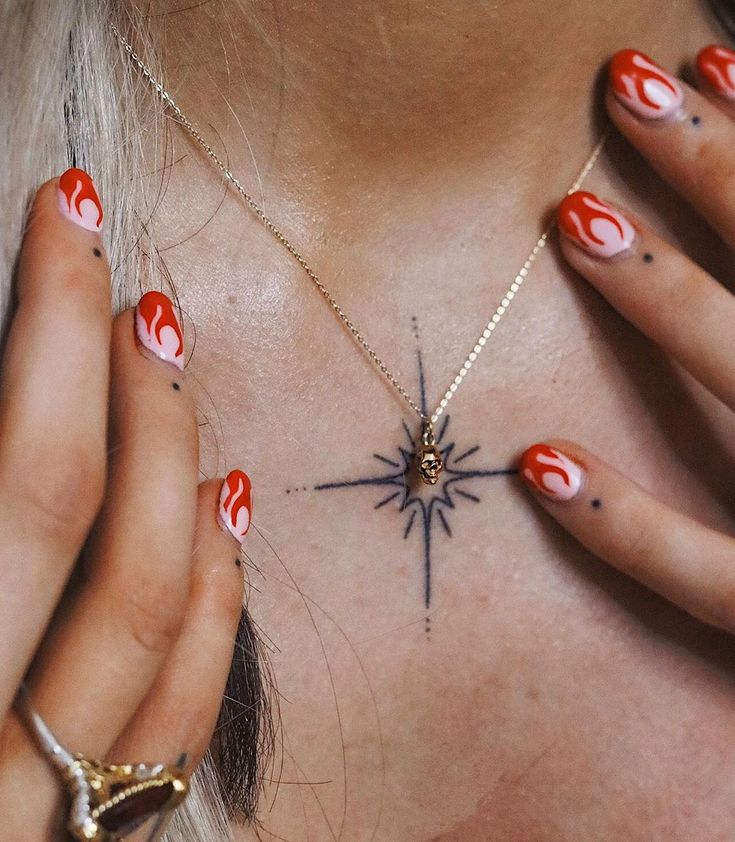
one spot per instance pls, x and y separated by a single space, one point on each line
381 108
379 87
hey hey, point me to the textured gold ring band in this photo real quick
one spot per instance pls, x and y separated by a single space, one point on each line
106 801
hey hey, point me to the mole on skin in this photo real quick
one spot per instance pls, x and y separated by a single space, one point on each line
97 252
696 120
176 386
596 504
648 257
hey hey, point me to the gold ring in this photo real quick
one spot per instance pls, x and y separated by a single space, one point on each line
106 801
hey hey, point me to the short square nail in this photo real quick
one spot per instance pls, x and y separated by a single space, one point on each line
78 199
158 328
551 472
643 87
594 225
236 504
716 65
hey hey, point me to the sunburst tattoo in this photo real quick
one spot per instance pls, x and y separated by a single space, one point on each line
426 507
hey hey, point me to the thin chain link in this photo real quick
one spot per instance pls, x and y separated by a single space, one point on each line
352 327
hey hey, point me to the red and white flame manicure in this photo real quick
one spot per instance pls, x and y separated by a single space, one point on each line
594 225
716 64
236 503
551 472
643 87
158 329
78 199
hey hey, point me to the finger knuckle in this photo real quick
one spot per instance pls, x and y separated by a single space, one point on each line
639 542
225 586
62 491
154 615
84 289
686 294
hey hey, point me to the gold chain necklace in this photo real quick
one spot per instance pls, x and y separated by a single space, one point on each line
428 457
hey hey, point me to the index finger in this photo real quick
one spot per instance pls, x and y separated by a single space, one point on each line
686 562
53 412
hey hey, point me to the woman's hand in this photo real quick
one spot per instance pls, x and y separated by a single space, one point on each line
128 662
689 138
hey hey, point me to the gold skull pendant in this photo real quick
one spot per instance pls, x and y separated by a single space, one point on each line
429 463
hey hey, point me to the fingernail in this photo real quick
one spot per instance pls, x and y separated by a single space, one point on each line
716 64
595 226
643 87
551 472
236 504
158 328
78 199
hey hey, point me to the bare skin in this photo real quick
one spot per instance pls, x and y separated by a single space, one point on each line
413 156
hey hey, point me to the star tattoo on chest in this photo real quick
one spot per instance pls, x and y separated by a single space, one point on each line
426 509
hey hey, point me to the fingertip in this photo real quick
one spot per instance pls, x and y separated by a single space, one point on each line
235 507
644 88
553 468
216 553
158 328
716 69
595 226
78 200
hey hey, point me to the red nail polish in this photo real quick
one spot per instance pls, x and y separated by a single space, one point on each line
158 328
78 199
551 472
236 503
594 225
643 87
716 64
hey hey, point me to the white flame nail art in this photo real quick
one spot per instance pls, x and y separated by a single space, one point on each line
78 199
594 225
551 472
236 503
158 329
644 87
717 66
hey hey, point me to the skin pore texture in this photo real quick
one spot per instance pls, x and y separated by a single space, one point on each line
413 154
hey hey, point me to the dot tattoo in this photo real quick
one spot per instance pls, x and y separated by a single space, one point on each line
96 252
648 257
596 503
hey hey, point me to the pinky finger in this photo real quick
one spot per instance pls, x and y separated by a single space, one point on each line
686 562
179 714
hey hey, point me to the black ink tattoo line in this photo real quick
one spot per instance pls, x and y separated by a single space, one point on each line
424 506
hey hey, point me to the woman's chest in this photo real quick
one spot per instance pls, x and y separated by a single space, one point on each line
449 664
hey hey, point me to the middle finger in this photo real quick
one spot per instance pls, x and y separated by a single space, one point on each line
687 139
103 653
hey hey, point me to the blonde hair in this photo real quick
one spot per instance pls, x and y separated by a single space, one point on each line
70 97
